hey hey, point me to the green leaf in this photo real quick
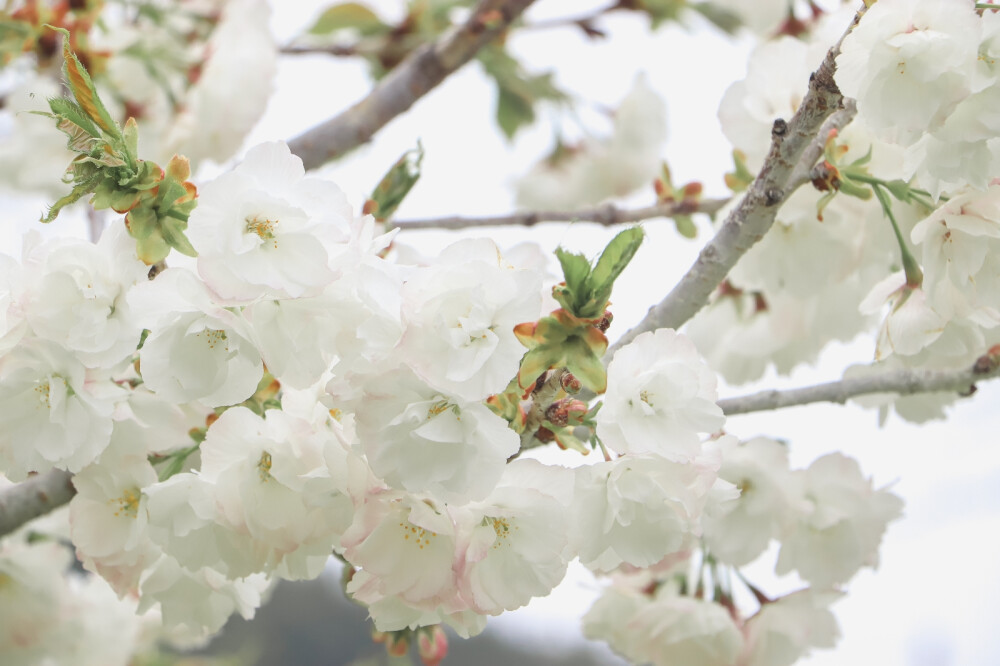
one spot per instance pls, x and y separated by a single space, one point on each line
537 361
662 10
71 111
576 269
173 233
84 91
615 258
79 191
722 18
585 365
347 15
513 112
517 91
686 226
397 183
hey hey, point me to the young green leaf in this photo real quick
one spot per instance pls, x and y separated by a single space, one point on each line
347 15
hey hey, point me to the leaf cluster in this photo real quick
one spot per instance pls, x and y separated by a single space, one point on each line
573 336
156 201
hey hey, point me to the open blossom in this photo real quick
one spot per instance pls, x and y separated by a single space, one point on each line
108 514
911 323
272 495
266 230
786 629
958 244
404 547
743 528
639 509
53 411
76 295
840 525
773 88
459 318
909 63
661 394
419 439
200 600
514 545
664 629
197 350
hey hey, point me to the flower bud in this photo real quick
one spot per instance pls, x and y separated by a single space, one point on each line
433 644
570 384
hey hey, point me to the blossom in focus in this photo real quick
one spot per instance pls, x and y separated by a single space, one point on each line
265 229
661 395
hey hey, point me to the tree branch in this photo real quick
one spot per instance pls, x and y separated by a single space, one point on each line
795 146
902 382
607 215
420 72
35 497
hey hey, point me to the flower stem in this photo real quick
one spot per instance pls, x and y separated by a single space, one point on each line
914 276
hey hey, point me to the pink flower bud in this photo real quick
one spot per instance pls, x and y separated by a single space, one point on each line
433 644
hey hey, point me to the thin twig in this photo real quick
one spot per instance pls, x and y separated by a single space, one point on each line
795 146
900 382
583 21
413 78
33 498
607 215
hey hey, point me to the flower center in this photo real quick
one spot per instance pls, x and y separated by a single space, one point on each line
420 536
43 390
128 503
264 467
215 338
264 228
502 528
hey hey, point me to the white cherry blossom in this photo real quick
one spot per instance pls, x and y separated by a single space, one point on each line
197 350
840 526
661 394
459 318
266 230
53 411
419 439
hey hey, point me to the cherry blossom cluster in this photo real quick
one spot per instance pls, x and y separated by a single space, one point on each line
921 123
199 480
829 521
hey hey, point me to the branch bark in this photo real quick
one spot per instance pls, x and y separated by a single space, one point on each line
33 498
795 146
406 83
606 215
901 382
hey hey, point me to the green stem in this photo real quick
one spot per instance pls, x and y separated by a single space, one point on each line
914 276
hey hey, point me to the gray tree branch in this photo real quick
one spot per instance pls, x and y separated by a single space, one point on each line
419 73
795 147
33 498
901 382
607 215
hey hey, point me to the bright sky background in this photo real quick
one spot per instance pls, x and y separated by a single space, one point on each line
935 599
